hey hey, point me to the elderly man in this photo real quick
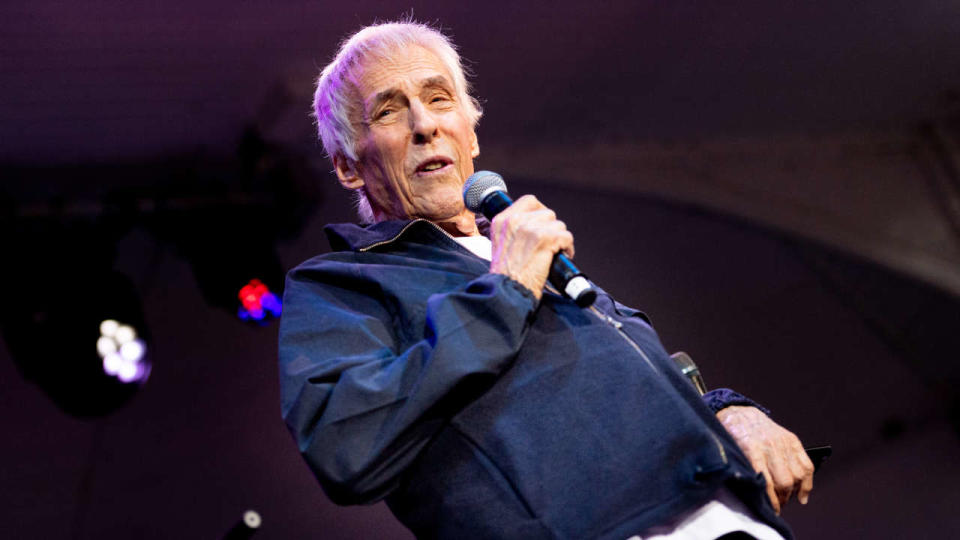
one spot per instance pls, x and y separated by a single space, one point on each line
423 363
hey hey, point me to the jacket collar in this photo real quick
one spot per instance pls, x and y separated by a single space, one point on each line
353 237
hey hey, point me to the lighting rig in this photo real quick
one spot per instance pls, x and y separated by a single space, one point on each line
73 324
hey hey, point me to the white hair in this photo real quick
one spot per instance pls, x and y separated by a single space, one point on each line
335 101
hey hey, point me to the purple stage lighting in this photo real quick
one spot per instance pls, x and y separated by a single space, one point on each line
122 352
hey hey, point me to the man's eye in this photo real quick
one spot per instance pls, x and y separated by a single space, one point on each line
384 113
440 98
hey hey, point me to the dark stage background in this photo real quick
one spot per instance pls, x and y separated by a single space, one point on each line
156 134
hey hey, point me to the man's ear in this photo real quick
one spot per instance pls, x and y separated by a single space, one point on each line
474 144
347 172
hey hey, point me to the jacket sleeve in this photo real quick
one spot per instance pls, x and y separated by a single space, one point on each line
360 409
721 398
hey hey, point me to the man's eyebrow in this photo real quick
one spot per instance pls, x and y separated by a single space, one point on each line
436 81
383 97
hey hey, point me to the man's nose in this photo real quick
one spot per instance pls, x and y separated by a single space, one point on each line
422 123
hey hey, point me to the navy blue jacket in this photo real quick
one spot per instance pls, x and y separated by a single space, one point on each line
411 373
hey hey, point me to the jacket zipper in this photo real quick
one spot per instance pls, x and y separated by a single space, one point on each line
619 326
723 453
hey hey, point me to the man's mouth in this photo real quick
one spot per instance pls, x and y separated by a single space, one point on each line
433 164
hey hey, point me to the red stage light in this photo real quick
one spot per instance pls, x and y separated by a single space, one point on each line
257 302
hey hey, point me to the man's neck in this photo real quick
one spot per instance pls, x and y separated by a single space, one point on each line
463 224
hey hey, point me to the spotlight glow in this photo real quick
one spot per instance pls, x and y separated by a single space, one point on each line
252 519
105 346
124 334
257 302
132 351
127 372
122 352
112 363
109 327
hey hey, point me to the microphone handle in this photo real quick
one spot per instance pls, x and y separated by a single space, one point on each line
494 203
564 275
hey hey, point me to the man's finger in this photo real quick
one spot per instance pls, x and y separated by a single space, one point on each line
806 483
771 493
783 479
756 459
805 488
801 468
526 203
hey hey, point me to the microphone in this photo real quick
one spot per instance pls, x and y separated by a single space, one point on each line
817 454
486 192
683 361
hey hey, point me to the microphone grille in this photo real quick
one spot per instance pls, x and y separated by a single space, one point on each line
478 186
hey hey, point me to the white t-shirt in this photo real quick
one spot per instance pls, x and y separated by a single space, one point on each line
478 245
724 514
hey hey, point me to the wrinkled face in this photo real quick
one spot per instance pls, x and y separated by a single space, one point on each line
416 144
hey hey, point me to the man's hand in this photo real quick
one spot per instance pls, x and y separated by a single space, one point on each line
773 451
525 237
